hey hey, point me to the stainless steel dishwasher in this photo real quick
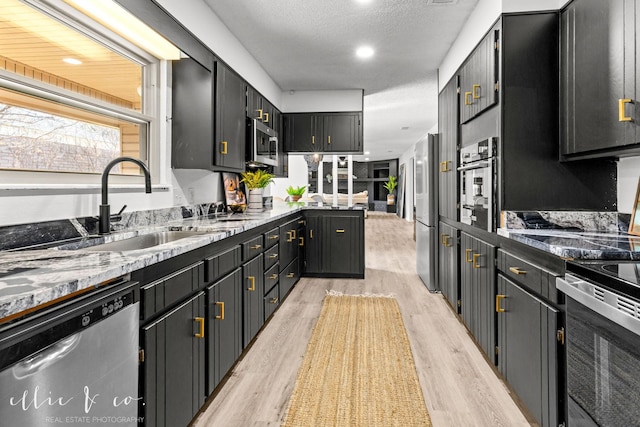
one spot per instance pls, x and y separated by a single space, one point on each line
76 363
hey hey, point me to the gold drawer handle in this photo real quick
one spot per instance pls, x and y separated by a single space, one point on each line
466 255
442 238
293 235
340 230
301 239
274 237
311 233
444 166
516 270
621 115
252 279
447 240
273 256
290 275
266 118
476 88
301 221
274 300
475 260
259 111
221 316
498 299
256 246
273 276
329 139
200 333
224 147
467 98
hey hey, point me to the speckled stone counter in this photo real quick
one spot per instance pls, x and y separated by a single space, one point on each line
30 278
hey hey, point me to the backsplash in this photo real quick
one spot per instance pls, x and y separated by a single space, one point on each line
603 222
42 233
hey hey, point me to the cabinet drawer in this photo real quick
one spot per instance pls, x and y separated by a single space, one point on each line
528 275
251 248
288 277
271 302
163 293
271 256
271 237
222 264
271 277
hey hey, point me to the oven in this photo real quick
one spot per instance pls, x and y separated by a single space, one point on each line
602 338
477 184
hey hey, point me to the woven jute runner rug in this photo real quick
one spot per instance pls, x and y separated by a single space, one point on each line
358 369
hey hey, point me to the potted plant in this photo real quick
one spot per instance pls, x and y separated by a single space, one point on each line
296 192
391 185
256 181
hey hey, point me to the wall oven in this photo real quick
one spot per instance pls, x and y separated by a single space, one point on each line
262 144
477 184
602 340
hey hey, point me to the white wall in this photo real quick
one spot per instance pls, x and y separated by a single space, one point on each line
298 176
322 101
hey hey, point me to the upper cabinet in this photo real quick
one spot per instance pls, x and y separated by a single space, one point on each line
448 150
599 93
323 132
260 109
208 123
478 78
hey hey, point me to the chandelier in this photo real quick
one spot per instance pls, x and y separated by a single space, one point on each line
312 161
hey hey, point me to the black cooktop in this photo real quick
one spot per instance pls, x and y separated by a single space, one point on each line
619 276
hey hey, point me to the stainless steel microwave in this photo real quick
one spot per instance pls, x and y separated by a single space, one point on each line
262 144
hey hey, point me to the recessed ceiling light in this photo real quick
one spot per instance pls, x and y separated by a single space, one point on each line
364 52
72 61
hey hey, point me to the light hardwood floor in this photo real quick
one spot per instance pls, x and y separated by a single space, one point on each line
459 386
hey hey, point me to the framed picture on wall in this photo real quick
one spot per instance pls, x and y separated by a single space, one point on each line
634 224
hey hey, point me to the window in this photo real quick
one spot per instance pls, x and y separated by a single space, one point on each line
72 93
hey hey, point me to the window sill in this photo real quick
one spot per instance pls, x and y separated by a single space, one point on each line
45 189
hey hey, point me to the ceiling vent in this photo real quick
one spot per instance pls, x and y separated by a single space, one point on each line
442 2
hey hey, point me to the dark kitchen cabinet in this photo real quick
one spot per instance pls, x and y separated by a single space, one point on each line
224 332
230 132
478 78
260 109
528 349
313 245
174 365
448 150
599 93
448 264
271 301
252 298
289 242
289 276
323 132
477 291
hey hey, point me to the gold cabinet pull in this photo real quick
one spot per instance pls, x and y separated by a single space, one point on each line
266 118
290 275
329 139
621 104
516 270
466 255
273 237
224 147
475 260
252 279
313 139
221 315
467 98
289 234
498 299
273 256
340 230
274 300
444 166
259 111
273 276
311 233
256 247
301 241
442 238
447 239
301 221
476 89
200 333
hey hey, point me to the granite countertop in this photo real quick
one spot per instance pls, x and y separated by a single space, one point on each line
30 278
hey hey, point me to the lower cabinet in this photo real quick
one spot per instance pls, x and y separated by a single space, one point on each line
477 291
174 365
271 301
252 298
448 265
224 327
288 277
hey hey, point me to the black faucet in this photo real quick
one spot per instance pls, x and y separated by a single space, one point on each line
104 225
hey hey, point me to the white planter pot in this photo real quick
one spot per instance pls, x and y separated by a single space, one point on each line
255 199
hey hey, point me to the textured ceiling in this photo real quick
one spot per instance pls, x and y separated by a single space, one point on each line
310 45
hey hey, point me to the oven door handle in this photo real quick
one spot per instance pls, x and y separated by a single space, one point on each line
475 165
609 307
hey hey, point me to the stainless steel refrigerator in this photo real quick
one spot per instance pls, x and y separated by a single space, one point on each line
426 176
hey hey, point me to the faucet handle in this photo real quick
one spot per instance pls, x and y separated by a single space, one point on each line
117 217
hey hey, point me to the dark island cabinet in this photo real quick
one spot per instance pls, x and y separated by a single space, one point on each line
448 150
477 291
478 78
174 365
599 92
448 265
224 332
323 132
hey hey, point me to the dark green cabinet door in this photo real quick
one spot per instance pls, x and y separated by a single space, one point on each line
341 134
224 345
598 71
231 126
448 264
528 351
192 117
448 150
174 365
313 246
252 298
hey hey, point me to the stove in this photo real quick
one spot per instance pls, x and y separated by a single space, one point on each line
622 277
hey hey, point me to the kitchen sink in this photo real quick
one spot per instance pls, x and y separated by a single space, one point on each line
144 241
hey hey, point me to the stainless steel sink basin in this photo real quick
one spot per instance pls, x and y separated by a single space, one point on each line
144 241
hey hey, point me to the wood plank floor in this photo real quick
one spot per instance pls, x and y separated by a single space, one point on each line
459 386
